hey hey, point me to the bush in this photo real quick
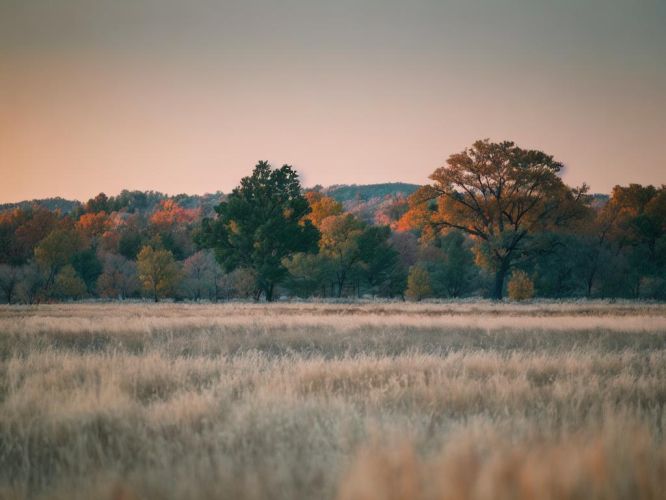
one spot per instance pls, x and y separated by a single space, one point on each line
521 286
418 283
68 284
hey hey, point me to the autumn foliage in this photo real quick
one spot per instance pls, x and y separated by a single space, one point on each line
495 219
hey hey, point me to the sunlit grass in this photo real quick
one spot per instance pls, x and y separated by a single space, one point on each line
356 401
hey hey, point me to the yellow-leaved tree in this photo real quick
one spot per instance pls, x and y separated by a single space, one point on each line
158 271
418 283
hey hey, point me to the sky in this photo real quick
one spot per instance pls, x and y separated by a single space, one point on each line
187 96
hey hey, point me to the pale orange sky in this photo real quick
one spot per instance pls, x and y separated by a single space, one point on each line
188 96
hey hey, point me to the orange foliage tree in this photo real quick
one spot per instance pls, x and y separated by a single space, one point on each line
171 214
321 206
501 195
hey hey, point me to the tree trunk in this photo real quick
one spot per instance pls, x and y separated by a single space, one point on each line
590 283
342 277
500 276
269 292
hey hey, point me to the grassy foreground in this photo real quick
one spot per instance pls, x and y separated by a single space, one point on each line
369 401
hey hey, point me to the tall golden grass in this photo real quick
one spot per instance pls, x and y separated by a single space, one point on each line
348 401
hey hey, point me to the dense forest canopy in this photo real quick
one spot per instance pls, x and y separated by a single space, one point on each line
496 219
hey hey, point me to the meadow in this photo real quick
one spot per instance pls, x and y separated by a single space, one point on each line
349 401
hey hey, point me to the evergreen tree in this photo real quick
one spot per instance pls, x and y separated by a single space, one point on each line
260 224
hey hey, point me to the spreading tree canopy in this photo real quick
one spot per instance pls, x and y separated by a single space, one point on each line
260 224
501 195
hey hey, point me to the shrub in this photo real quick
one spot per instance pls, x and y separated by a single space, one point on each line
68 284
418 283
521 286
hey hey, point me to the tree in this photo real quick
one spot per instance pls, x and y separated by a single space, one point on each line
407 246
129 244
339 244
261 224
640 226
118 279
501 195
560 272
321 206
170 214
620 243
173 224
597 239
391 210
158 271
88 266
99 203
450 263
379 261
32 282
521 286
200 275
240 283
93 225
56 250
308 274
68 284
21 230
418 283
10 276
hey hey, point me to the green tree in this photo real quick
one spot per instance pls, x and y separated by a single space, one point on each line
450 263
56 250
129 244
641 226
260 224
99 203
379 262
560 272
88 266
68 284
158 272
501 195
308 274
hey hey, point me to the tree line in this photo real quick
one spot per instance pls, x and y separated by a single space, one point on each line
495 219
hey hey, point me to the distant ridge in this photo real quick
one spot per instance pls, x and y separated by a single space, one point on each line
348 194
366 192
341 192
52 204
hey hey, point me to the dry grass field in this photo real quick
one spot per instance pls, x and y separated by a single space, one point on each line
470 400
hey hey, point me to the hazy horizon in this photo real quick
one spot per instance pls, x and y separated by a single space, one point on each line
187 97
176 193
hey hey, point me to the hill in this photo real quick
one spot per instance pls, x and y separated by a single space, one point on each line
350 195
367 192
51 204
364 200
